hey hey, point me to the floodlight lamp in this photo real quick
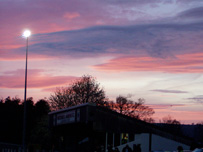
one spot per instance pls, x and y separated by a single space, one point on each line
26 33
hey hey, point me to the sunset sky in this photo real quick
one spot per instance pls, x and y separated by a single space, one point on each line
151 49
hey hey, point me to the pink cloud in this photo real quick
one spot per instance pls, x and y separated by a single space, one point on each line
36 79
186 63
10 55
70 16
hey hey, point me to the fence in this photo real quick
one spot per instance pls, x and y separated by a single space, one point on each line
7 147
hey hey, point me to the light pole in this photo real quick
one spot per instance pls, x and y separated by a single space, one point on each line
26 34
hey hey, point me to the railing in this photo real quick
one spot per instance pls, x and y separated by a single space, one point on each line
7 147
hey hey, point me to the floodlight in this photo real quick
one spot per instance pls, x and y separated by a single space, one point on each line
26 33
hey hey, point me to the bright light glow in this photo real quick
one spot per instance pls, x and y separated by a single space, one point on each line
26 33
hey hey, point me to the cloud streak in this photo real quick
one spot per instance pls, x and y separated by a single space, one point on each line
168 91
194 13
165 106
197 99
36 79
155 40
188 63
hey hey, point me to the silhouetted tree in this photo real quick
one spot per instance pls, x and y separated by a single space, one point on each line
42 108
172 125
84 90
30 117
149 120
11 120
1 101
199 133
200 123
41 136
133 109
169 120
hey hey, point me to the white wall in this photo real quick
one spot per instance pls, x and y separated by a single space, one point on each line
158 143
161 143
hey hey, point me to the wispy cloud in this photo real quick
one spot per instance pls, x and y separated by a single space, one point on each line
20 55
197 99
165 106
194 13
169 91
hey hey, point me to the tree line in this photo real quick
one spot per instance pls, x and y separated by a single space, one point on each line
11 118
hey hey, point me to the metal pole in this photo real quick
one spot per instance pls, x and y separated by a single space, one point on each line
120 138
25 105
106 142
113 140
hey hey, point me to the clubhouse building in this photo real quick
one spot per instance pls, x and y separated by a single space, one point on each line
89 128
